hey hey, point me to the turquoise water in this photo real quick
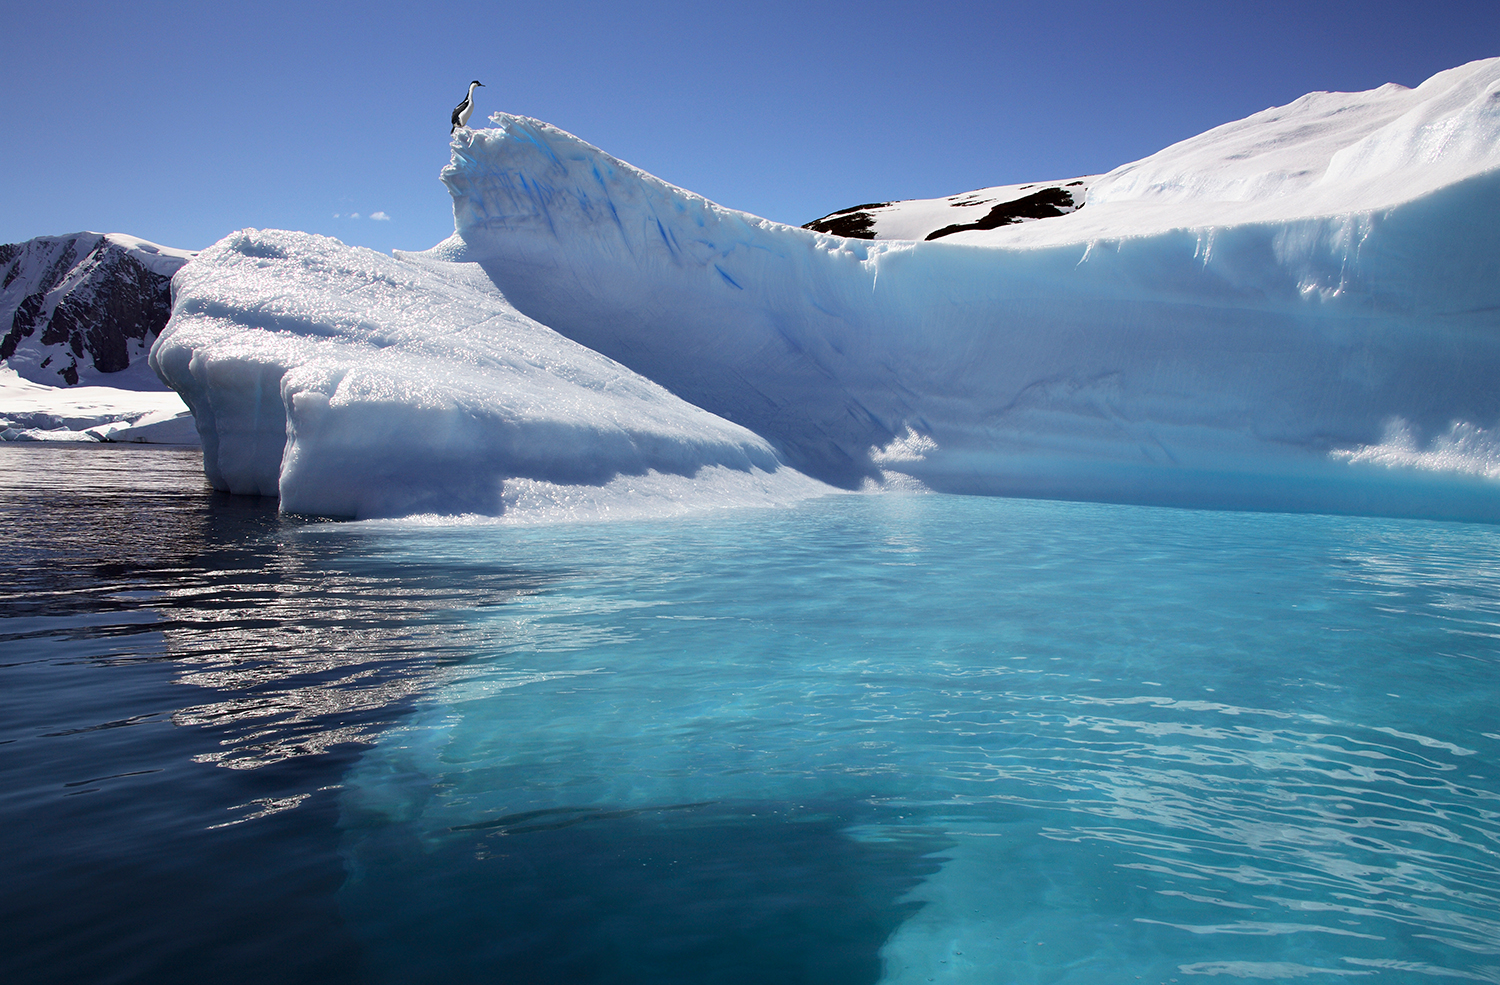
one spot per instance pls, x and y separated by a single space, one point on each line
869 738
1132 742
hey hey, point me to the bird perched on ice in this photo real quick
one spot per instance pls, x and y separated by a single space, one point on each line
462 110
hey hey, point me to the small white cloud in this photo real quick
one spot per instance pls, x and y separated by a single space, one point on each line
380 217
354 215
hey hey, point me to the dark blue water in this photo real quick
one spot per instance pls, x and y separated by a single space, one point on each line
898 739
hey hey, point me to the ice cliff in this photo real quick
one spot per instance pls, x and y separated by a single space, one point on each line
84 308
1299 310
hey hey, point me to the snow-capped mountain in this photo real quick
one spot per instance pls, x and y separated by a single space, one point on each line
934 218
85 308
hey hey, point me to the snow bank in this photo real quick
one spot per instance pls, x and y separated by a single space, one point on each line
1236 321
350 383
1325 154
37 412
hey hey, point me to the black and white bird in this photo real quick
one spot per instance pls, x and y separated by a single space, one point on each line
462 110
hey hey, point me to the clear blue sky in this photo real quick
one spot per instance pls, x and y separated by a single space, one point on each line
182 122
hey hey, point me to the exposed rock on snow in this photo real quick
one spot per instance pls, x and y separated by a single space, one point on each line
934 218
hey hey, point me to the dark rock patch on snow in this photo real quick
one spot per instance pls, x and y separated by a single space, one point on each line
855 222
1045 204
933 218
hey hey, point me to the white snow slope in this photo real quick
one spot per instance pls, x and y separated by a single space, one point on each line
350 383
1300 310
37 412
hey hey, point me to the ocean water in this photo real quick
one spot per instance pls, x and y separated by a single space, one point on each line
866 739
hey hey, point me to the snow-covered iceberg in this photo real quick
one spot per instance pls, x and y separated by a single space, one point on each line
1300 310
350 383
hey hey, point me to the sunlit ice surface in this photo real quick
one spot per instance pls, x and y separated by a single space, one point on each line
930 738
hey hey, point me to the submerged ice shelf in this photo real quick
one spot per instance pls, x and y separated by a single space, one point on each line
1296 311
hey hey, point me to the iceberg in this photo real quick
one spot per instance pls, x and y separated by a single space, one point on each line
1296 311
354 384
1242 320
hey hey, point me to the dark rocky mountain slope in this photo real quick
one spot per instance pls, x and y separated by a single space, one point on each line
85 308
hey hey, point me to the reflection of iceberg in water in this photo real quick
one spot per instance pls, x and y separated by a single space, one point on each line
319 637
302 636
124 577
1101 759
